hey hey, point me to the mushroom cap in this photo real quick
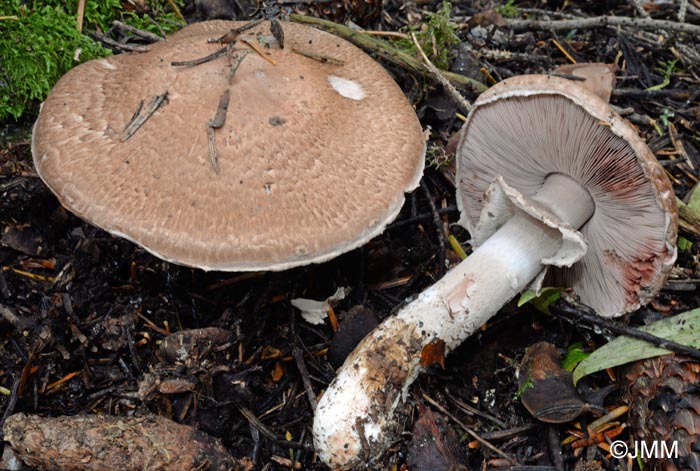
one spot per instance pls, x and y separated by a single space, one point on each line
528 127
314 158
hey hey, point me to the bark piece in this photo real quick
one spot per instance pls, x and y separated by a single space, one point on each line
106 443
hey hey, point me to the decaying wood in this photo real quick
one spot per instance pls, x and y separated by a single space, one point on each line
106 443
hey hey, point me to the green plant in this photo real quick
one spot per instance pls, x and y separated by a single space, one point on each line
508 9
36 49
667 68
436 36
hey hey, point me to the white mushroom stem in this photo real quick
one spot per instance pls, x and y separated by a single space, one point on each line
354 418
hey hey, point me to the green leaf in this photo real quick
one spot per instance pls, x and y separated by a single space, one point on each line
542 302
684 244
683 328
574 356
694 200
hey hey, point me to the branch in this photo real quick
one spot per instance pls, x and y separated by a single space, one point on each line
600 21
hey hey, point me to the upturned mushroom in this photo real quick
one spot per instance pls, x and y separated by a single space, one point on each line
244 161
552 184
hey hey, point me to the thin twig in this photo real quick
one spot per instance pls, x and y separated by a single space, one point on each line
600 21
138 32
318 57
459 100
236 61
177 11
682 10
637 4
437 222
232 36
117 45
134 125
259 51
201 60
581 312
306 379
469 431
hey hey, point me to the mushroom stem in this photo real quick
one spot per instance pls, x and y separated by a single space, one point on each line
353 420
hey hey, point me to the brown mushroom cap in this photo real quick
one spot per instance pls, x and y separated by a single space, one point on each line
314 157
529 127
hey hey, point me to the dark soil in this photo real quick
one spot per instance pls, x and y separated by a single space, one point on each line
93 308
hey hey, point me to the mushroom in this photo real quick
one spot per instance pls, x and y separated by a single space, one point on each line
311 159
551 184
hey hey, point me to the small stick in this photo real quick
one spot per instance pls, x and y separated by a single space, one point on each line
218 121
585 313
136 114
232 35
236 61
135 124
304 372
469 431
393 34
318 57
463 104
116 45
80 15
563 51
138 32
202 60
437 222
176 9
260 52
637 4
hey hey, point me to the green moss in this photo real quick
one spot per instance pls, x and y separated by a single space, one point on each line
436 36
42 43
35 50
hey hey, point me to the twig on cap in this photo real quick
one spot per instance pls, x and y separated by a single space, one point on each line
136 114
463 104
277 31
201 60
236 60
585 313
232 35
260 52
218 121
318 57
138 120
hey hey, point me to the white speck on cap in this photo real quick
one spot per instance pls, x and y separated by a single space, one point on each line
347 88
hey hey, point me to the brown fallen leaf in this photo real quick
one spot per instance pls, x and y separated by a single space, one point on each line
546 390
